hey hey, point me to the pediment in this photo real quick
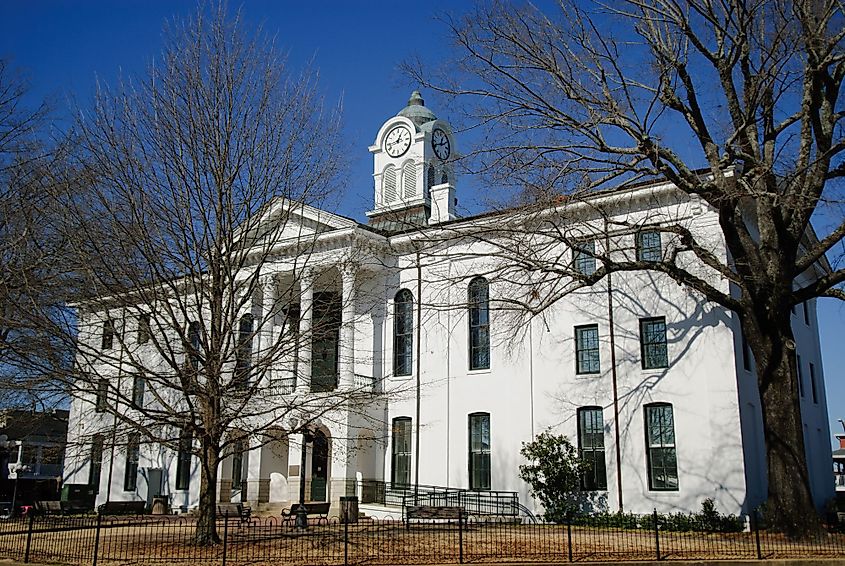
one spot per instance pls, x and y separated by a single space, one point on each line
286 220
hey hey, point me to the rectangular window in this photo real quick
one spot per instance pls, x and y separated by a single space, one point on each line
806 308
144 330
800 374
653 343
108 335
479 451
591 448
584 259
130 475
400 469
96 462
648 246
102 402
660 444
813 383
138 386
183 462
587 349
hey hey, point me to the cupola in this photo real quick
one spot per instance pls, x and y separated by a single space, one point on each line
412 156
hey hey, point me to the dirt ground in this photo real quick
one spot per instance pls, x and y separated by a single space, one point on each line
149 540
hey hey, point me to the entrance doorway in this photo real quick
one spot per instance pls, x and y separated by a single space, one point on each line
319 466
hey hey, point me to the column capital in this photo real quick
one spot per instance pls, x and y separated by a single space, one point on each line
269 282
306 275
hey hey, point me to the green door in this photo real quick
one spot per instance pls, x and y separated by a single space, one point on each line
319 467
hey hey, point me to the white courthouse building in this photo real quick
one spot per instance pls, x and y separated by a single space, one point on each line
653 383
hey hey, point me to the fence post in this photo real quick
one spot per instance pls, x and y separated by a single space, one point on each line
28 536
225 533
656 535
569 537
97 539
346 540
461 535
756 528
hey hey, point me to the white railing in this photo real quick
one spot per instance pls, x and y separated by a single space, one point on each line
365 382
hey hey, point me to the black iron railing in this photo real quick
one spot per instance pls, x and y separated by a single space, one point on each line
504 503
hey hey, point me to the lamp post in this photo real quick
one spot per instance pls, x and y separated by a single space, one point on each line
301 521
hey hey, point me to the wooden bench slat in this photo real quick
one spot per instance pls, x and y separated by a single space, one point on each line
234 510
434 512
123 508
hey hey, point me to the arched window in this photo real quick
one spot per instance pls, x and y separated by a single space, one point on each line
479 324
400 468
660 444
403 332
388 193
444 178
409 180
243 354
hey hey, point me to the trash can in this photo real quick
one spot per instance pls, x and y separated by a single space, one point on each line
161 505
349 509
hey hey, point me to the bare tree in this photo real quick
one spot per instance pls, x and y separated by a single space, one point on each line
31 268
192 248
584 99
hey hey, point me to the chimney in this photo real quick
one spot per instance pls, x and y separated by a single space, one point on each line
442 203
841 438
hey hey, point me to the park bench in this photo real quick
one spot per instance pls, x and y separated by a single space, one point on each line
45 507
319 508
433 513
75 507
123 508
234 511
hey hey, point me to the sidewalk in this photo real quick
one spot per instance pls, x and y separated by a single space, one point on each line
776 562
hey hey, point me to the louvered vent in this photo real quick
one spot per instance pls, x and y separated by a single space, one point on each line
409 174
389 193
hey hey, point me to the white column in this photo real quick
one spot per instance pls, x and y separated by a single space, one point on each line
306 309
346 348
266 353
258 488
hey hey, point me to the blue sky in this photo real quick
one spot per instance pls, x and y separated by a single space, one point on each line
64 46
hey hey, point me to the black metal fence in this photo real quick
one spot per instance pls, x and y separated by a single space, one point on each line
169 539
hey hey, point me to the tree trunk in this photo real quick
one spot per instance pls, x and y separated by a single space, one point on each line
206 532
790 507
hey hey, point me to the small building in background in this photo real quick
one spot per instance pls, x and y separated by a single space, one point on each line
839 465
32 450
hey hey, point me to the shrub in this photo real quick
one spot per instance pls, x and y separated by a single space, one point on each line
708 519
554 473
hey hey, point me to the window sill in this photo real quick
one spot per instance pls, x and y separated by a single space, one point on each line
401 377
588 375
478 371
670 493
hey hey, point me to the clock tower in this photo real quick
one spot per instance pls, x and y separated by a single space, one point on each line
413 170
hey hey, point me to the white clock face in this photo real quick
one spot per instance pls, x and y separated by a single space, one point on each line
440 144
398 141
